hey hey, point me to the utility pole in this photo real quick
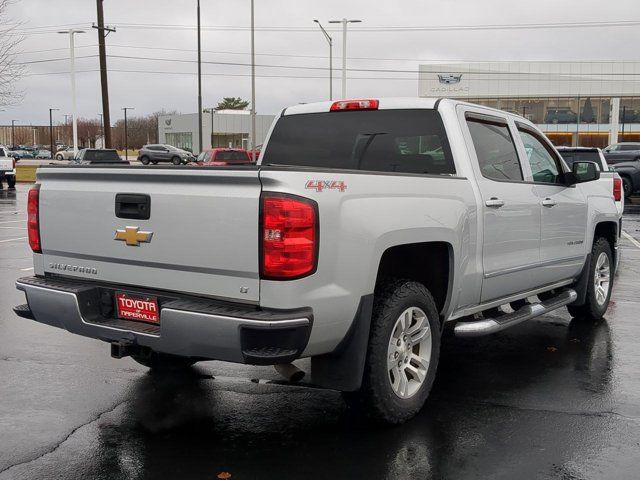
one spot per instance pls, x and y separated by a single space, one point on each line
330 40
211 111
253 86
51 110
74 112
199 86
126 137
13 138
102 130
102 50
344 23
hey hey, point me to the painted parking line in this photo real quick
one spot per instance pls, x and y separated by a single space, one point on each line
26 269
13 239
12 221
631 239
14 228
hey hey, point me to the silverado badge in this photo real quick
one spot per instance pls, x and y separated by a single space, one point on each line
132 236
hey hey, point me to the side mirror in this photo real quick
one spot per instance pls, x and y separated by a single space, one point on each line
582 172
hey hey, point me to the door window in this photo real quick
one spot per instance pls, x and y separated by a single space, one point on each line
544 165
495 149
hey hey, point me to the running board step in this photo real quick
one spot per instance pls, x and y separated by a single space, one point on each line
488 326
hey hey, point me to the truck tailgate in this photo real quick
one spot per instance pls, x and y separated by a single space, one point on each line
203 225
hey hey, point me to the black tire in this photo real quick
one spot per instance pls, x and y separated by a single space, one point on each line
11 181
627 187
59 157
376 397
176 160
144 160
592 308
163 361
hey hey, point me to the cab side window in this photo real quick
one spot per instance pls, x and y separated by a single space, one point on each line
545 168
496 152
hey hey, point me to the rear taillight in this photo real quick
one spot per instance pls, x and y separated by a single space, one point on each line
342 105
617 189
33 219
289 237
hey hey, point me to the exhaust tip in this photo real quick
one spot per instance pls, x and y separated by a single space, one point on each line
290 372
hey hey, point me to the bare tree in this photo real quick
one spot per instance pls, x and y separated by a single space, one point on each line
10 70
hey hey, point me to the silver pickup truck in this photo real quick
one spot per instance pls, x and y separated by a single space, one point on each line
365 227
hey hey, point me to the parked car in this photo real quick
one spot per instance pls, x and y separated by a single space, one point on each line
43 154
622 152
560 115
218 157
65 153
630 174
608 176
338 246
163 153
7 169
92 156
19 154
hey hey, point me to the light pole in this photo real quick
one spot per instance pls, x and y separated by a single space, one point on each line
211 111
102 132
126 137
74 113
253 86
13 138
51 110
330 40
344 23
34 135
199 87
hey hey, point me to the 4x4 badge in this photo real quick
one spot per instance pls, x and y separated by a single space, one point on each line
133 237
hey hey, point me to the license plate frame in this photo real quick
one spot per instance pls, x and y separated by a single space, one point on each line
137 308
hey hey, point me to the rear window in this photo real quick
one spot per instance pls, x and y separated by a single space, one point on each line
581 156
99 156
233 156
405 141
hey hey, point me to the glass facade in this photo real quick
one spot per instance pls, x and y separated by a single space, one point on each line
573 121
183 140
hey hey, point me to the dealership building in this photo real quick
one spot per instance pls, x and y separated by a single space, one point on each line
574 103
223 128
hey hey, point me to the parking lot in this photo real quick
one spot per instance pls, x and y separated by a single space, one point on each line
550 398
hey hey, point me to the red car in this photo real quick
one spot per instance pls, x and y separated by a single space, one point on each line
217 157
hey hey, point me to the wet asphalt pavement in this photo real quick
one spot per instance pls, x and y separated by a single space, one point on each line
551 398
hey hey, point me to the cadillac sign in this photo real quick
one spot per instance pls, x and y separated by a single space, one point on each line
449 79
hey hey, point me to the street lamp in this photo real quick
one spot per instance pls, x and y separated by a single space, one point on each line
199 86
344 23
126 138
72 56
330 40
211 111
102 132
13 138
253 85
51 110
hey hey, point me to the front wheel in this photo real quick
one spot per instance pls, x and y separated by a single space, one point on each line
163 361
59 157
176 160
403 352
600 282
144 160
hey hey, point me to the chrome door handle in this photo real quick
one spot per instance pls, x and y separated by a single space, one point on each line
547 202
494 202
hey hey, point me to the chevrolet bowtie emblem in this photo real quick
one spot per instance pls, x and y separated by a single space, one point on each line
132 236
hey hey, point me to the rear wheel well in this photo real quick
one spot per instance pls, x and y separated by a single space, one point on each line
609 231
428 263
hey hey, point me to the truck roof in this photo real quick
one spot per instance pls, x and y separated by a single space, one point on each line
390 103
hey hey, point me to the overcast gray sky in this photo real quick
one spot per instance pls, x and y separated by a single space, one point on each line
383 41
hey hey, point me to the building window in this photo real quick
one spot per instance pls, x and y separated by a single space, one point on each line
183 140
